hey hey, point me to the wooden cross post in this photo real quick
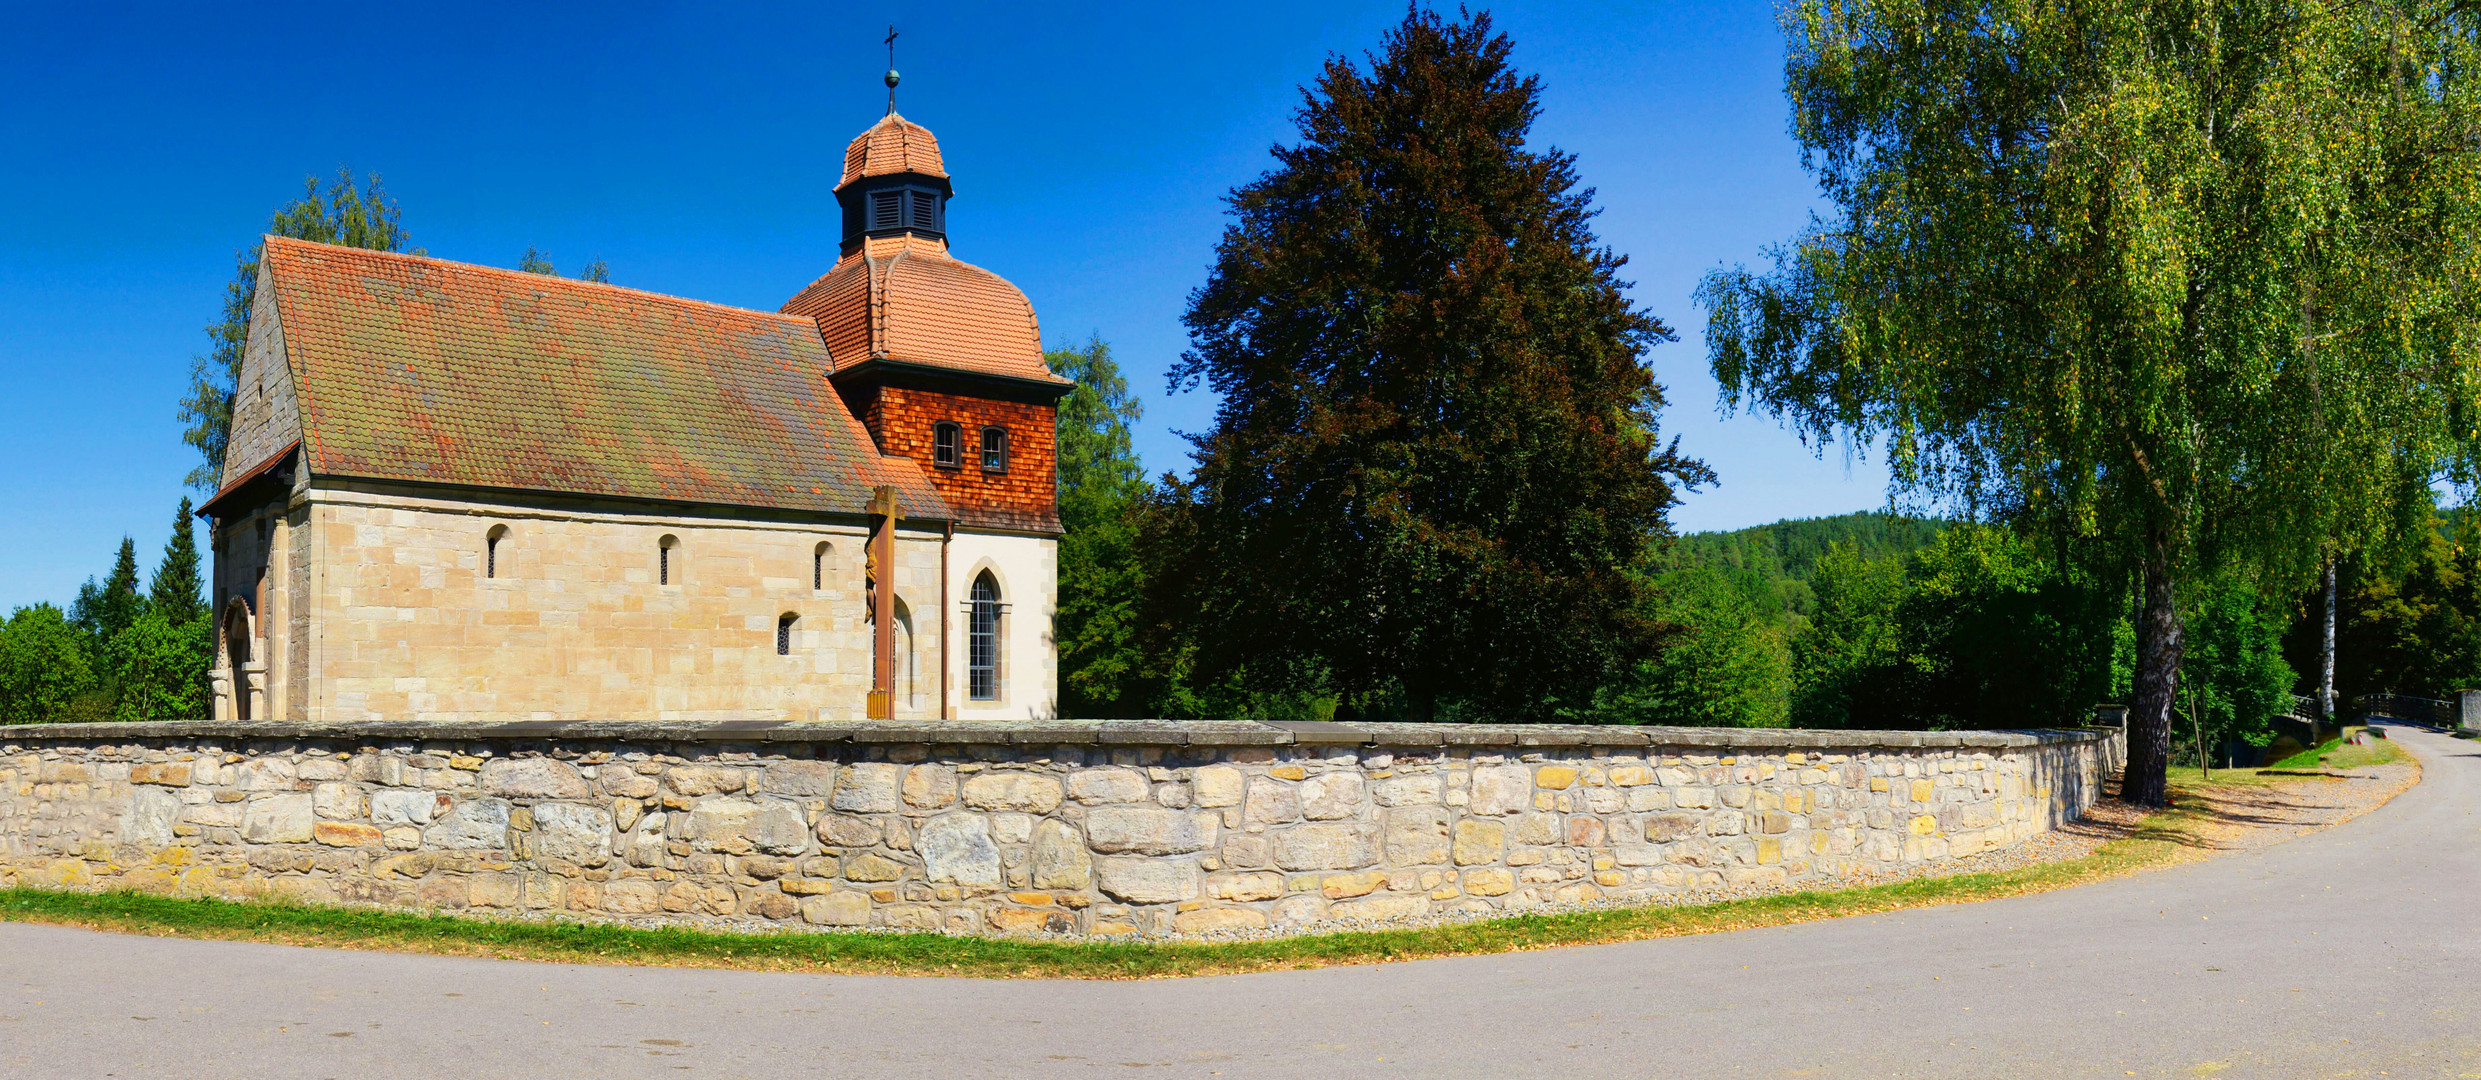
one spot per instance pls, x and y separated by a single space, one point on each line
881 561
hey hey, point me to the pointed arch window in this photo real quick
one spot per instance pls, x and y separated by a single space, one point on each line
982 640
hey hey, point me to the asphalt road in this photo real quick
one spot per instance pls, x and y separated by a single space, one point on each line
2350 952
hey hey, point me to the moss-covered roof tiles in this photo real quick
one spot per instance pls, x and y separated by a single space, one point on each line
418 369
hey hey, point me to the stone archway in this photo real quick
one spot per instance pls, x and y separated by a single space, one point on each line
240 678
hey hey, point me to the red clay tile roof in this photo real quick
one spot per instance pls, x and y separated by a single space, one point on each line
419 369
905 298
893 145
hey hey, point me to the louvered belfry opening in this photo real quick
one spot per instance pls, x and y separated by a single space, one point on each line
894 184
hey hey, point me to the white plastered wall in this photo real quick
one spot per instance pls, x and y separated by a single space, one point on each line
1026 568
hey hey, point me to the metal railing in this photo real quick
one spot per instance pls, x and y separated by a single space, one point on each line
2406 707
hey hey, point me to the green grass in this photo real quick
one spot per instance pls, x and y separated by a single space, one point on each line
2334 754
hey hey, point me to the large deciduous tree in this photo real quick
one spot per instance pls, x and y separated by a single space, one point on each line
1435 458
1100 488
2188 283
345 214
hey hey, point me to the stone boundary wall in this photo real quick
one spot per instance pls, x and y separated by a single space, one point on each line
1081 828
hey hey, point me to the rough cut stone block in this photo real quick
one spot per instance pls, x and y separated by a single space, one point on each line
813 778
1211 920
168 774
1479 842
1150 831
572 832
1271 802
1060 858
1138 880
778 829
845 831
1330 796
152 813
1417 836
339 801
1108 786
405 806
870 787
929 787
532 778
345 834
1489 881
1019 791
1502 789
1327 846
277 819
692 781
1409 790
958 848
1245 886
470 824
837 909
265 774
1537 829
1218 785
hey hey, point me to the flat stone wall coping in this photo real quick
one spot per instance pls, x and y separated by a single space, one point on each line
1164 733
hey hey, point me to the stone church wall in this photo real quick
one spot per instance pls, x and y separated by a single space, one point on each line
576 621
1077 828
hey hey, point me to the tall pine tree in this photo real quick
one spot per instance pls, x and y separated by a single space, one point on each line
104 610
175 590
1435 458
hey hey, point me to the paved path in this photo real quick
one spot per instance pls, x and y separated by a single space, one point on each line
2169 973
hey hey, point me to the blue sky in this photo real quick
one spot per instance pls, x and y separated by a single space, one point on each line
694 148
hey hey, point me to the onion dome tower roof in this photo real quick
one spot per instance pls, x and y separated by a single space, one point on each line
896 298
891 147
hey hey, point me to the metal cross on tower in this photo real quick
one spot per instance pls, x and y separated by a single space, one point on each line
891 70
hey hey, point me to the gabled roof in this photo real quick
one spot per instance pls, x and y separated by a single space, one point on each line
893 145
904 298
418 369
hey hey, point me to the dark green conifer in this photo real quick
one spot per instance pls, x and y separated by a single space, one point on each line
175 590
1435 459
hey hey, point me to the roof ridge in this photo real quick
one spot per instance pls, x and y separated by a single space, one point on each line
313 245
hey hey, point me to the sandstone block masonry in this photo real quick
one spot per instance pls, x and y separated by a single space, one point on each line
1083 828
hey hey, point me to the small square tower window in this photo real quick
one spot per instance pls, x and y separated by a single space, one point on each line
994 449
947 445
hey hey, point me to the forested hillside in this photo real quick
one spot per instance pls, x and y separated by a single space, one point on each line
1773 564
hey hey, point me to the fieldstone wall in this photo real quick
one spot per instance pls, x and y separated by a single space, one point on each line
1093 828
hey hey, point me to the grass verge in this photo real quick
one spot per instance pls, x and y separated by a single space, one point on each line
2335 754
2159 839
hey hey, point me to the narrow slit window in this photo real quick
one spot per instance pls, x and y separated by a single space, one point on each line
664 559
818 567
491 550
982 641
994 449
947 445
784 634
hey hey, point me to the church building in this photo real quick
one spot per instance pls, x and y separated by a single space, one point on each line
460 493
